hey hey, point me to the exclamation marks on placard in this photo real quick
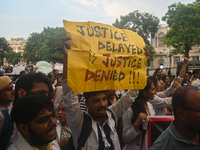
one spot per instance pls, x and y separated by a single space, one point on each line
132 77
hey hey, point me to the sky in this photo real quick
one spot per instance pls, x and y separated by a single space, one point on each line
20 18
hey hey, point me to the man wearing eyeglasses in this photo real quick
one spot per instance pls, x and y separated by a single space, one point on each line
27 83
183 133
35 119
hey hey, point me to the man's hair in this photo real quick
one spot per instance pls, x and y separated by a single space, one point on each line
189 73
54 71
179 98
87 95
22 72
195 71
157 69
49 75
28 107
26 82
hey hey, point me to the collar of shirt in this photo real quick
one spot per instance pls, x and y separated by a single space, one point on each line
97 120
49 146
178 136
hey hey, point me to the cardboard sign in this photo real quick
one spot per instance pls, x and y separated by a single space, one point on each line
104 57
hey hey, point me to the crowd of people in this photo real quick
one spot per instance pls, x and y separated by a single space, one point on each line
40 112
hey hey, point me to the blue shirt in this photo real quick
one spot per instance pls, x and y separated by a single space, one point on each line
171 139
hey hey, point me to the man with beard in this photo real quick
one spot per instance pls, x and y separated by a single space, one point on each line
183 133
158 73
102 134
35 119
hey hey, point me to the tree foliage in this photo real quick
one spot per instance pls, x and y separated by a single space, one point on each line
13 57
4 48
45 45
184 23
144 24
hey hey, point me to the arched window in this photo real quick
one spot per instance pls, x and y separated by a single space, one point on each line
160 43
161 63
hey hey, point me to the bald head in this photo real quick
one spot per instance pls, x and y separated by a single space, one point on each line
183 97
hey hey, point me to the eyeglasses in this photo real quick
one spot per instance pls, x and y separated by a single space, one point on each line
47 121
193 109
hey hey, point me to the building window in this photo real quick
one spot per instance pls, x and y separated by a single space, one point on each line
161 63
195 58
176 58
160 42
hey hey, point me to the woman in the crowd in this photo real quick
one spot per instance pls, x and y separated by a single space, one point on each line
167 81
134 120
62 128
162 100
57 82
162 85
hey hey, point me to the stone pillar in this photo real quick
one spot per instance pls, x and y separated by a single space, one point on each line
168 64
172 61
156 41
181 57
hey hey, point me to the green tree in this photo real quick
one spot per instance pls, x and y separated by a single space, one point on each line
45 45
152 52
32 47
13 57
4 48
51 47
144 24
184 23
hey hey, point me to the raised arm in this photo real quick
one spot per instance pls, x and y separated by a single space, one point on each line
65 48
71 103
183 69
175 84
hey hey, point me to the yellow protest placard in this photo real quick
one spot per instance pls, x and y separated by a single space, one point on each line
104 57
